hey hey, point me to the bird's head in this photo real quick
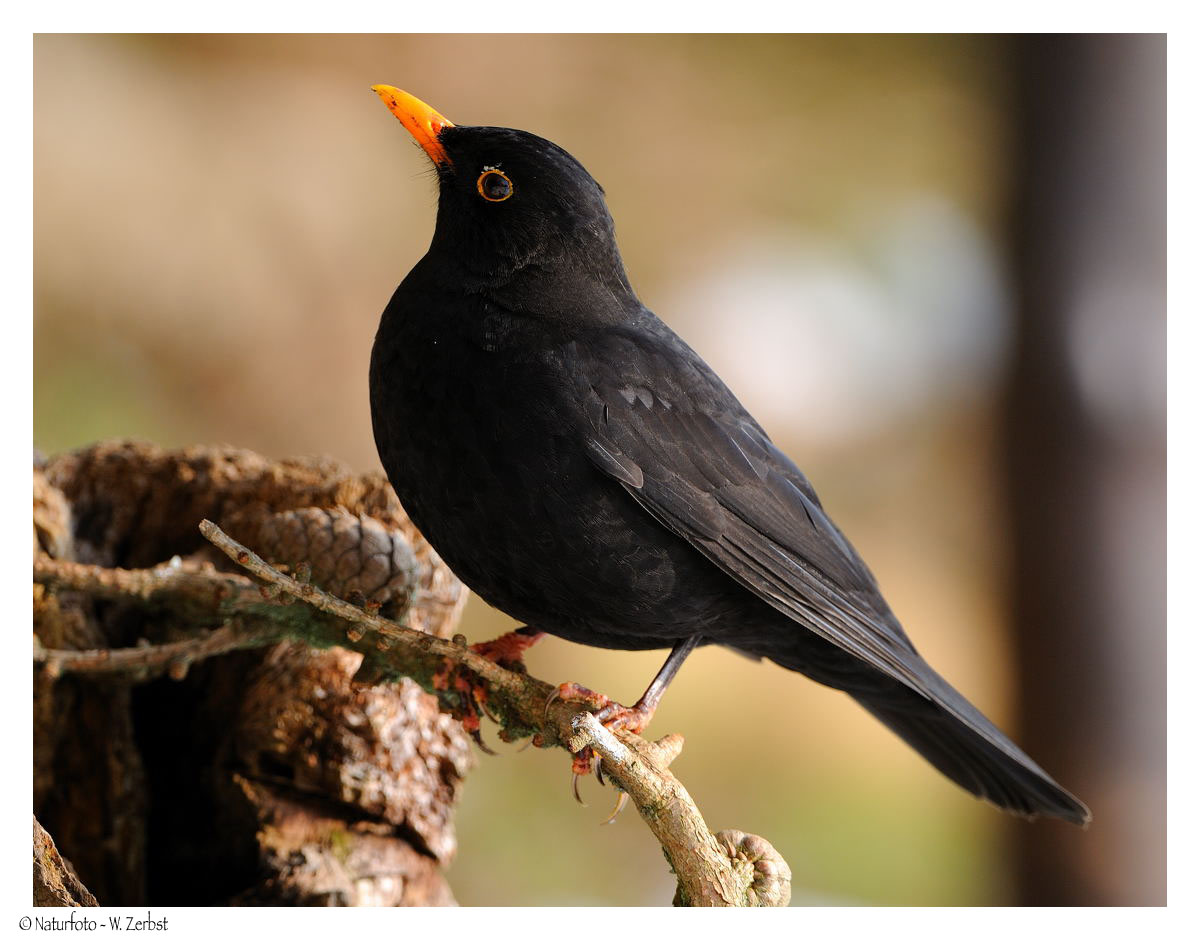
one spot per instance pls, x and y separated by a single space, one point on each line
510 201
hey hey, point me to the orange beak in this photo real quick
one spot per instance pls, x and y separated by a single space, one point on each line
421 120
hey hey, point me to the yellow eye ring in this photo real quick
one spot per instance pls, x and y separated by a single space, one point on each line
493 185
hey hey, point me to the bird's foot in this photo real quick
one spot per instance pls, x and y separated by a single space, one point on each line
508 650
614 717
466 694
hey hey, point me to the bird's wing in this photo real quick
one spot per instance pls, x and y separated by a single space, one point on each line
666 428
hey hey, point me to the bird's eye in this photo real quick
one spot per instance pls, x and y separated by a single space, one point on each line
493 185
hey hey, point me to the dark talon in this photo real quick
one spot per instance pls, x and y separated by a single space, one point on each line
622 799
478 738
482 701
554 697
599 772
575 789
469 691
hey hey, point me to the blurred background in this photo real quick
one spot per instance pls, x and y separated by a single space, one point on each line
934 269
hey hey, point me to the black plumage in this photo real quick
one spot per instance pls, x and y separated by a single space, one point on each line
581 468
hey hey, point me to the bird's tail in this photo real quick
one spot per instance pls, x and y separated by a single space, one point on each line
954 736
1006 777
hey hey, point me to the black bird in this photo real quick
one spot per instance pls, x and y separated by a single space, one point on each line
581 468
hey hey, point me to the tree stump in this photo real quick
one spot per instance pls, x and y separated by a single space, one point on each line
263 776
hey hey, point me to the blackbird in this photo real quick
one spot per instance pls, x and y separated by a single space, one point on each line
582 469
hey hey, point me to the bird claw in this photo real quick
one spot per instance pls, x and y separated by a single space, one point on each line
574 692
478 739
575 789
613 716
507 650
622 801
466 695
550 700
622 797
481 700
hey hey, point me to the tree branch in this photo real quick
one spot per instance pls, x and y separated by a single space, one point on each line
196 595
170 582
728 869
172 658
710 872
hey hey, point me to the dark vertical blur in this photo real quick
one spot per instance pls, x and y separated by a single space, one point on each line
1086 458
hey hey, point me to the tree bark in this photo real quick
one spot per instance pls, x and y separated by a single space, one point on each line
170 775
55 883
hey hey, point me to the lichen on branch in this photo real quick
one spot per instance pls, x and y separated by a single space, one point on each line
709 872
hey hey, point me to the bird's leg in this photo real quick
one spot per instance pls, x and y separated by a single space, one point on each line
505 651
615 716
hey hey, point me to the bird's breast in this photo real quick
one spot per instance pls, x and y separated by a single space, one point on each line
483 445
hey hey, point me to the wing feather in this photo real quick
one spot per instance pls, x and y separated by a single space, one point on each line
683 447
700 465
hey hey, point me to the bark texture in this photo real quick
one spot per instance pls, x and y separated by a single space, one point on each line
266 775
55 883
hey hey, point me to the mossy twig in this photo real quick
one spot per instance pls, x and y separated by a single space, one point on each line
709 874
711 870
